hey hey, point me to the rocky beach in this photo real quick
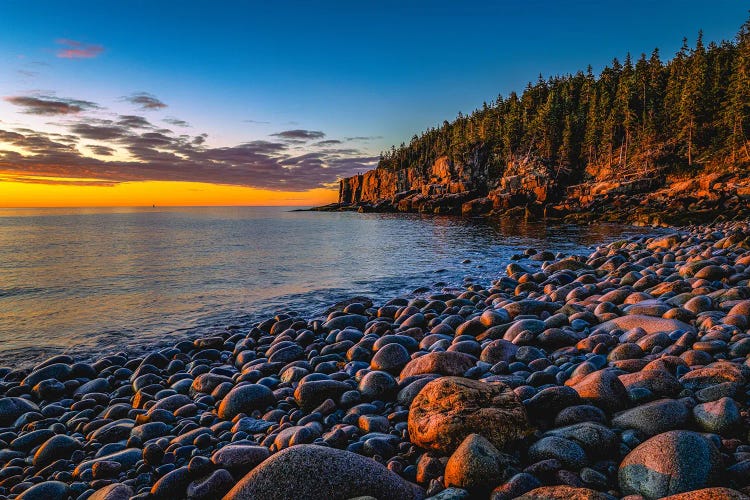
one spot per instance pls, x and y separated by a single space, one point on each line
621 375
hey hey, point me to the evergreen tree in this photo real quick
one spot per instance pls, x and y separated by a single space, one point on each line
632 117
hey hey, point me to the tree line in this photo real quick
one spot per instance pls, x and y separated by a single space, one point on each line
635 116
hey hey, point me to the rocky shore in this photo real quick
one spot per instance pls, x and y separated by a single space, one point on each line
533 189
622 375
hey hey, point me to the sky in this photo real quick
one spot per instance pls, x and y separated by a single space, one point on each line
269 103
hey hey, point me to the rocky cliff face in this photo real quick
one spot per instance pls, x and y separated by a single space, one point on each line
442 177
446 185
530 188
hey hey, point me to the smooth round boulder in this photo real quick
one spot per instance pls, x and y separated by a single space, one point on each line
47 490
310 393
116 491
245 399
448 409
670 463
357 321
11 408
568 452
475 466
717 493
239 458
650 324
377 385
720 417
603 388
654 417
390 358
498 350
215 485
564 493
443 363
58 446
296 473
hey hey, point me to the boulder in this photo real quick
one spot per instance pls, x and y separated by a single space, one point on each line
239 458
245 399
316 472
116 491
442 363
448 409
564 493
654 417
670 463
717 493
11 408
649 323
475 466
602 388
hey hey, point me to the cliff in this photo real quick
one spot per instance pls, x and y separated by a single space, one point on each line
445 186
529 188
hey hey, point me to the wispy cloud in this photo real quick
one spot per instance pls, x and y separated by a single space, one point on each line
46 105
299 135
133 121
176 122
329 142
364 138
101 150
145 101
257 122
73 49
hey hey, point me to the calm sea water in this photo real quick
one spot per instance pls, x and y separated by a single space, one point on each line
90 281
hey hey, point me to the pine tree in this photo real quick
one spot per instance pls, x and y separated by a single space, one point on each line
693 109
738 102
691 102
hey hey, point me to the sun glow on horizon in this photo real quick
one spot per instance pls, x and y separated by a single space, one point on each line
46 192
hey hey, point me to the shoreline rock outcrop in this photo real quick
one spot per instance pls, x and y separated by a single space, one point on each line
527 188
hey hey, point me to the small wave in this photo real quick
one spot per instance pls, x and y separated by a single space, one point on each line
20 291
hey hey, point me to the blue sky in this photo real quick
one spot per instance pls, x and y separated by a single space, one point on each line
242 71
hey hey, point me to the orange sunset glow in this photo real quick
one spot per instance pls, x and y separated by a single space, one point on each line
161 193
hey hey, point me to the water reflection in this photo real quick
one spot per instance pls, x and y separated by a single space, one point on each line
93 280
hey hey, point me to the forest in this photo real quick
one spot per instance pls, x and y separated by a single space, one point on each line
636 118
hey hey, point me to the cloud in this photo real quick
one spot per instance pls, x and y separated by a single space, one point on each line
27 73
176 122
256 122
50 105
55 182
299 135
98 132
157 155
109 148
329 142
364 138
145 101
132 121
72 49
101 150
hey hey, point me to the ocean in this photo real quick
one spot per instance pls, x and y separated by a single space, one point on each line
93 281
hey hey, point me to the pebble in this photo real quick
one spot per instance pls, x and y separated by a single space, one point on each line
583 377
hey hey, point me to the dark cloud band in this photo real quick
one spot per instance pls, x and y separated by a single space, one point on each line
299 135
145 101
50 105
